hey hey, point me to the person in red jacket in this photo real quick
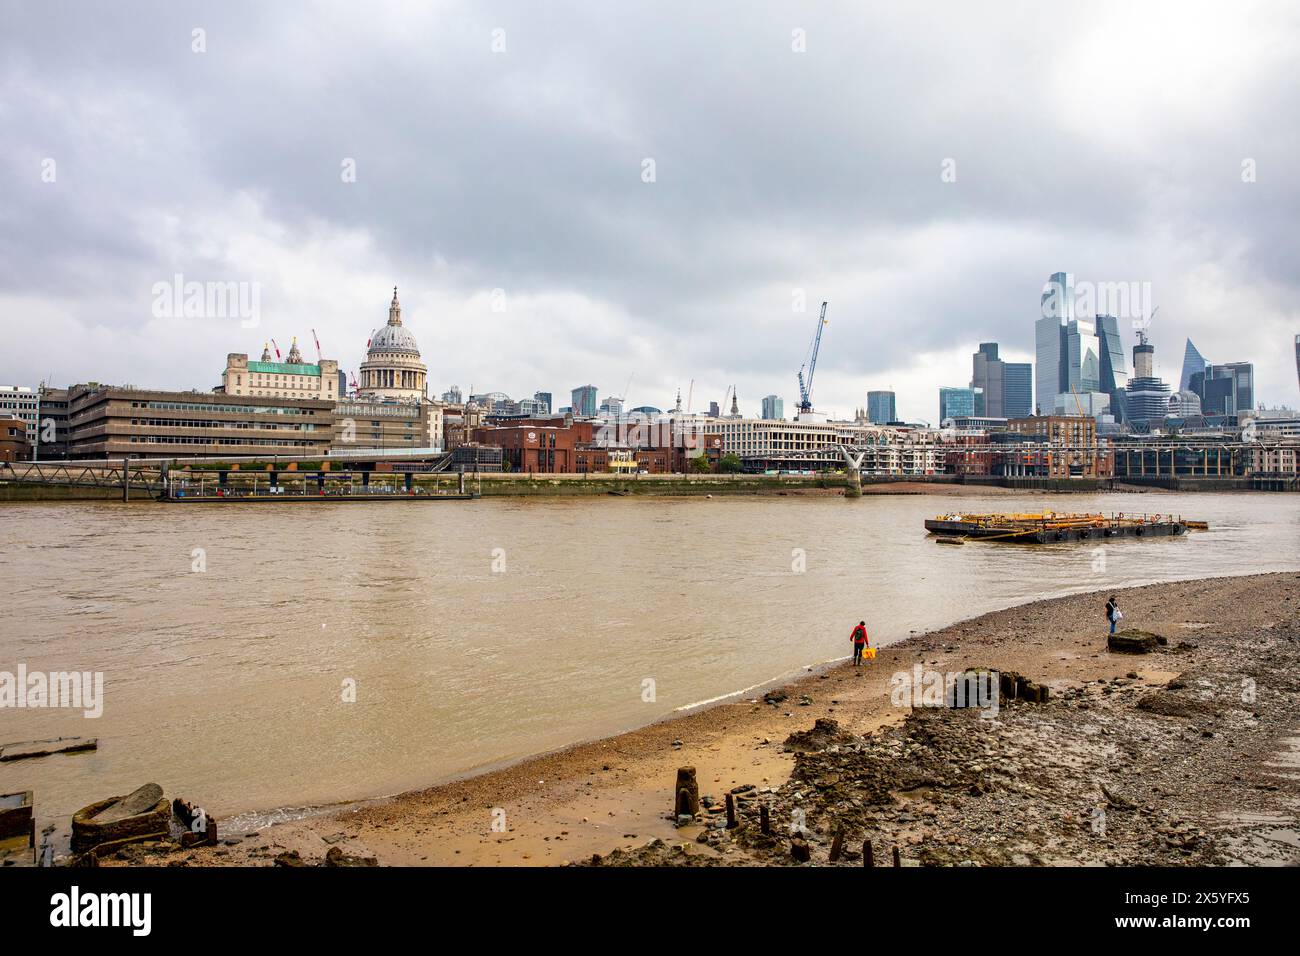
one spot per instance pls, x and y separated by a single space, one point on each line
859 637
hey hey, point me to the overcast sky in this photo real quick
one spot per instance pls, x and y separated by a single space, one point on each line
503 146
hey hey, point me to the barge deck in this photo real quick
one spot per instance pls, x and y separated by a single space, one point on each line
1049 527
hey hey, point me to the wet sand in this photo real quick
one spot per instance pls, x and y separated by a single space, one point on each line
616 793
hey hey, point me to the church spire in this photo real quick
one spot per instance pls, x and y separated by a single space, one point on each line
395 310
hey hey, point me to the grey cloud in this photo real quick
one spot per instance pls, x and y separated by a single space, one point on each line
775 170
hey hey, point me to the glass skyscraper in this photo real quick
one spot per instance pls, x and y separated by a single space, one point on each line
584 401
1193 362
1114 370
880 408
773 408
956 403
1017 390
1069 353
1002 389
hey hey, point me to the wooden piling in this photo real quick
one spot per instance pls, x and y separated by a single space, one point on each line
686 797
764 820
731 812
898 860
868 854
837 845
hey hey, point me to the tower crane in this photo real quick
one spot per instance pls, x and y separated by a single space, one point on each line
805 386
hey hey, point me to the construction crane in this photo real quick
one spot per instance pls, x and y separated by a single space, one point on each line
1077 404
805 386
319 357
277 350
626 388
690 394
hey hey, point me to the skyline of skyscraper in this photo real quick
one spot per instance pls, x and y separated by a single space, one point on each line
1068 351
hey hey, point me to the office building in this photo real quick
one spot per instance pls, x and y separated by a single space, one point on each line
714 410
611 408
110 422
986 379
1017 389
956 403
1002 389
19 401
1068 350
1184 404
881 408
543 400
1147 396
366 423
13 438
1227 389
1192 363
773 409
584 401
1114 370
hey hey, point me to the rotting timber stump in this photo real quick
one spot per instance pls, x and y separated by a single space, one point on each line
686 794
1014 686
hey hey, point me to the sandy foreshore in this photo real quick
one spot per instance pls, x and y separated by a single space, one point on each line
1185 751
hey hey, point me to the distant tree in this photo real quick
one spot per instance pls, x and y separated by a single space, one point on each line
700 463
730 462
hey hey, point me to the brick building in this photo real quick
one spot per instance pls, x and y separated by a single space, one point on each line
13 440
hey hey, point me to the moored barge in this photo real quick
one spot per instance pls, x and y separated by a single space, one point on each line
1048 527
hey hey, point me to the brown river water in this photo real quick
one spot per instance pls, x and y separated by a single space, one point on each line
478 633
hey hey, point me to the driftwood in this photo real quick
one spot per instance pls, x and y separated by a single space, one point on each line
43 748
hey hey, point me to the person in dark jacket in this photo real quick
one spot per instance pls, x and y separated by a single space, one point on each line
859 638
1113 613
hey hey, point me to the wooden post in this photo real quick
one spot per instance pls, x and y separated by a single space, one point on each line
731 812
898 860
686 794
868 854
764 820
837 845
